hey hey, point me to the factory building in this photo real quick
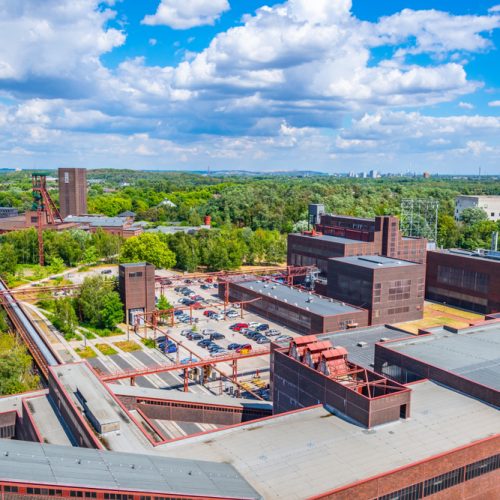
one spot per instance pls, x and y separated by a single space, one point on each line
8 212
311 372
136 285
464 279
305 312
72 191
343 236
391 289
467 359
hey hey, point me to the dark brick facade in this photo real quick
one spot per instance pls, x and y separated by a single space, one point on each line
72 191
391 294
378 236
295 385
136 284
464 281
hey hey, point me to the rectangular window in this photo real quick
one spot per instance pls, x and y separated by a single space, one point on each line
413 492
443 482
482 467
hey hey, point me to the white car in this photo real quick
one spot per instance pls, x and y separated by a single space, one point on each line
254 324
232 314
218 317
272 333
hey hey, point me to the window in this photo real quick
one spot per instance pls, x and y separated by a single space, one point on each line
13 489
443 481
482 467
137 274
413 492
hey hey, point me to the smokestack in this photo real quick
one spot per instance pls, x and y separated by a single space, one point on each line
207 220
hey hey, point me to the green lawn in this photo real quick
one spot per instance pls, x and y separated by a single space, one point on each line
106 349
86 352
128 345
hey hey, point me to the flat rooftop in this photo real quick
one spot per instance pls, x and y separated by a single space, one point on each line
309 452
374 261
78 377
364 354
98 220
473 353
84 467
329 238
295 297
490 256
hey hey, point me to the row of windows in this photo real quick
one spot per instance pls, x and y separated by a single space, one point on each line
398 310
444 481
136 274
195 407
462 278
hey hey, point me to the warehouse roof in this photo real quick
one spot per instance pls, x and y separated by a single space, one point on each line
374 261
329 238
473 353
308 452
97 220
295 297
486 255
360 342
84 467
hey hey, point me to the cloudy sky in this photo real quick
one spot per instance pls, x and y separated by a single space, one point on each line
330 85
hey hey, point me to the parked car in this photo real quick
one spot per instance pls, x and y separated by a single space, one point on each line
178 312
254 324
186 332
284 338
232 314
262 328
218 352
197 305
106 271
218 317
204 343
208 331
233 346
215 285
243 349
263 340
272 332
214 347
208 312
204 287
194 336
238 326
197 298
217 336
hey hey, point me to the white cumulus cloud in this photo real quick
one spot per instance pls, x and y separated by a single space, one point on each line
494 104
185 14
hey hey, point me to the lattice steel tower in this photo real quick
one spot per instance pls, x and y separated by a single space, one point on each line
419 218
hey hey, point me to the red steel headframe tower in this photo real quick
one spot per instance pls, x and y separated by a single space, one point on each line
45 209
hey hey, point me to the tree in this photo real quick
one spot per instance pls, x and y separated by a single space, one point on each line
8 259
163 303
57 265
98 302
186 249
65 319
112 311
148 247
473 215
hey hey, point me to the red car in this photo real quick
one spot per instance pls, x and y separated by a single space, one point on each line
243 349
238 326
208 312
197 305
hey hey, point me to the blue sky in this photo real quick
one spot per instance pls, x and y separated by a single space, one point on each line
330 85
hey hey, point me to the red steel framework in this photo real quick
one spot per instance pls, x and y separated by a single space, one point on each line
44 205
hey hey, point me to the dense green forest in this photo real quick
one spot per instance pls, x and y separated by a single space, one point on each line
252 214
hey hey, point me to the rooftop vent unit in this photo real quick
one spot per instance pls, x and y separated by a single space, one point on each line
384 339
285 300
361 344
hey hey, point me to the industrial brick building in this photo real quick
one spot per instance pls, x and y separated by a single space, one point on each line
72 191
341 236
464 279
311 372
391 289
305 312
467 360
136 284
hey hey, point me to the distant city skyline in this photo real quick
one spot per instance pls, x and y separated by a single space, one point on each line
322 85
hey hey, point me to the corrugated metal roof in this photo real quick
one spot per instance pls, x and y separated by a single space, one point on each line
473 353
297 298
84 467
